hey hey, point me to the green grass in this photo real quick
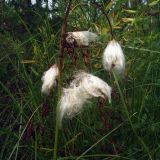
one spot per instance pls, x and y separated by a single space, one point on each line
28 133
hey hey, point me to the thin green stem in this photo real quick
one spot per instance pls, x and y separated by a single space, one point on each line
61 59
99 141
129 119
57 119
14 148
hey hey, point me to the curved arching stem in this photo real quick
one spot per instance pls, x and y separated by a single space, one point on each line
100 7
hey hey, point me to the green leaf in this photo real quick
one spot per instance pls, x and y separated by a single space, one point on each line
153 3
129 11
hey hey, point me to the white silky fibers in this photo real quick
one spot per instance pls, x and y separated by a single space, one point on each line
113 58
84 87
82 38
49 79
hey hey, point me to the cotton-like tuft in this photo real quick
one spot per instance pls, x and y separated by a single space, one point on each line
113 58
93 85
49 79
81 38
84 87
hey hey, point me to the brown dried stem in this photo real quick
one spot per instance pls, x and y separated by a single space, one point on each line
106 124
61 59
63 31
102 116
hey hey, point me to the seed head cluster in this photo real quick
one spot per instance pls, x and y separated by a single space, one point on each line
84 87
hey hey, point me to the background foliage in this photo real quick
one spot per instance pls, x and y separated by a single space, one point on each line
29 43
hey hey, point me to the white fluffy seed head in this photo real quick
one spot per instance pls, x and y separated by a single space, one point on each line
72 101
113 58
92 85
82 88
49 79
82 38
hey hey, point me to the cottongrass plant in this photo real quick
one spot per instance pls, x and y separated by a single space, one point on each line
81 38
84 87
49 79
113 58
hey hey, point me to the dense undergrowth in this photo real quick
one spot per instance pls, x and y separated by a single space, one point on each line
27 118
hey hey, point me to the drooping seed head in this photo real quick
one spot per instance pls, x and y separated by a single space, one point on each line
113 58
81 38
84 87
